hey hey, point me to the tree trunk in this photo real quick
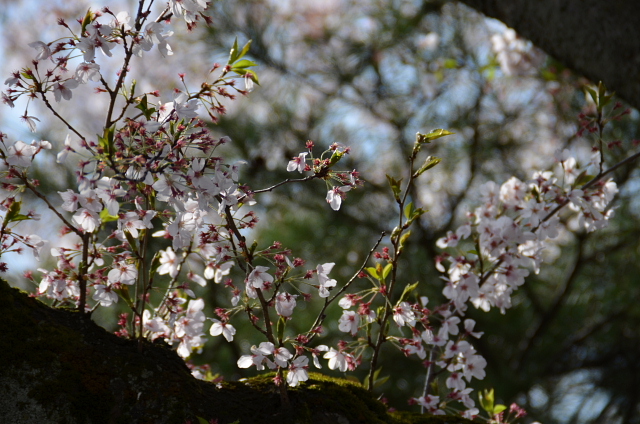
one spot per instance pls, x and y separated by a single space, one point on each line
599 39
58 366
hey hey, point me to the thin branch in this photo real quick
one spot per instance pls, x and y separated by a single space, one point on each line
57 115
321 315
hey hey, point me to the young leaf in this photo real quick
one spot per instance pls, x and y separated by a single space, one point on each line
429 163
282 323
372 272
380 381
403 239
106 141
12 213
498 409
88 18
245 49
433 134
395 186
486 401
593 94
407 291
408 209
234 54
387 269
244 64
105 217
583 179
144 107
244 72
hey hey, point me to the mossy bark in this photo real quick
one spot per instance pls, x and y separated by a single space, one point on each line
60 367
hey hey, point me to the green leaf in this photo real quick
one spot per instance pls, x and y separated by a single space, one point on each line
244 64
155 263
498 409
27 75
335 157
202 420
450 64
407 291
88 18
593 94
234 54
408 209
131 240
243 72
253 247
106 217
395 186
12 213
245 49
434 134
282 323
380 381
387 269
583 179
486 400
429 163
123 292
373 272
144 107
403 239
106 141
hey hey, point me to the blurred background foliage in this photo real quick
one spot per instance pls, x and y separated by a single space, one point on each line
369 75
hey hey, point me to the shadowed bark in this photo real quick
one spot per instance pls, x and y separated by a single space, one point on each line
60 367
599 39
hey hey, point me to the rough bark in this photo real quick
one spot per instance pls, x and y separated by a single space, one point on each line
58 366
599 39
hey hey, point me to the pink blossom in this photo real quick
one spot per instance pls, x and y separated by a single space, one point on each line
337 360
285 303
169 263
349 322
335 196
298 371
298 163
323 277
259 278
219 327
20 154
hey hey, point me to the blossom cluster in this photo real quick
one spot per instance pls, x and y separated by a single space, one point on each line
515 55
511 228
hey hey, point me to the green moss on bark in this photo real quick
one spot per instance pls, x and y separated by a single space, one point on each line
60 367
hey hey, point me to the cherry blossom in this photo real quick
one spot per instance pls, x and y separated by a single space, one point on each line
297 163
349 322
44 52
87 219
259 278
403 315
325 282
219 327
258 357
123 273
430 403
298 371
169 263
20 154
285 303
337 360
105 295
335 196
